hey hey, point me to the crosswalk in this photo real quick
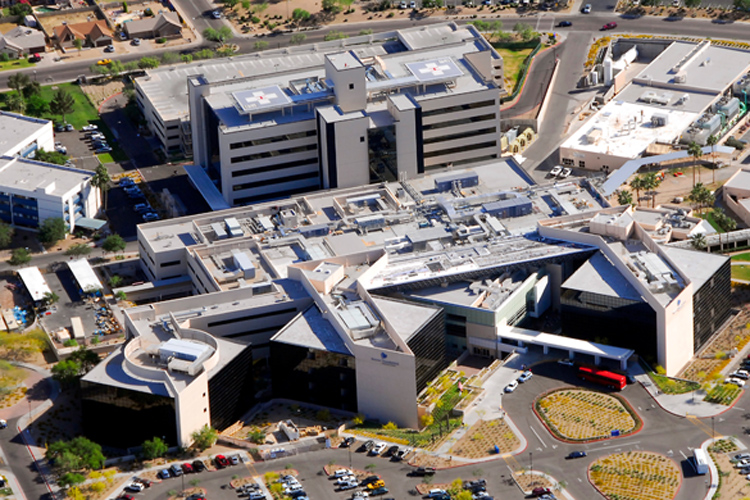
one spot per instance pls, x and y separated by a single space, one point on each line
701 425
512 462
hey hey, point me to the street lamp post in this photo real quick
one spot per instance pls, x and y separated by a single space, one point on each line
531 467
713 433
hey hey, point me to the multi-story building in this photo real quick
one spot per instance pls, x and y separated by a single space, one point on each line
355 298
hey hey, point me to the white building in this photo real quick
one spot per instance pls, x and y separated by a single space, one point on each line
20 135
31 192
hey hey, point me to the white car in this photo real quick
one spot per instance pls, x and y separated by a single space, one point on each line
735 381
134 486
412 4
292 488
555 171
3 424
341 473
566 362
436 492
344 479
348 485
742 463
403 5
586 8
89 127
378 449
216 14
512 386
525 376
566 172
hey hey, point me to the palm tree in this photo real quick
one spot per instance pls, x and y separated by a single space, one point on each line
698 241
650 183
101 180
711 141
638 184
624 197
696 152
18 81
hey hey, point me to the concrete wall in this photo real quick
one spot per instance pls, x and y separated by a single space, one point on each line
192 409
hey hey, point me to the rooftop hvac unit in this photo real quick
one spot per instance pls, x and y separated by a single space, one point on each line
681 76
659 120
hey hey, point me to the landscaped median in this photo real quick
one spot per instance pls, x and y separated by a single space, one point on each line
635 475
577 415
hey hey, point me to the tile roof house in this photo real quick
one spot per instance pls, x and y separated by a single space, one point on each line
22 41
93 33
165 24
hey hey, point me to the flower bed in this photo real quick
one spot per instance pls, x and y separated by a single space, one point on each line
480 440
575 414
723 394
724 446
639 475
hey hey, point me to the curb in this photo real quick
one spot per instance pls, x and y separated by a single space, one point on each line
672 412
101 105
526 79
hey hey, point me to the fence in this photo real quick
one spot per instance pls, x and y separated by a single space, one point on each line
523 72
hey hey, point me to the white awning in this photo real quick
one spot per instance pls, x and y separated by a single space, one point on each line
34 281
84 275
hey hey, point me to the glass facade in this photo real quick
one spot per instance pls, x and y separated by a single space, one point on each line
428 346
711 305
231 391
609 320
382 144
121 418
313 376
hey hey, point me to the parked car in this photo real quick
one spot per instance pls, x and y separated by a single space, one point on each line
367 445
540 490
525 376
742 463
145 482
424 471
555 171
135 487
176 470
136 41
199 466
164 474
142 207
125 182
187 468
511 387
109 48
90 127
348 485
566 172
369 480
346 443
566 362
125 496
342 473
381 490
576 454
472 484
397 457
35 58
609 26
735 381
376 484
378 449
742 456
586 9
345 479
216 14
391 451
564 24
403 5
235 459
103 149
436 492
220 460
150 217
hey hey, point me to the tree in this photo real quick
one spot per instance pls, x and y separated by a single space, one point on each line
300 16
78 250
115 281
66 372
154 448
51 231
723 220
20 9
19 257
650 183
624 197
50 157
120 295
692 4
76 454
231 3
637 184
331 6
32 88
50 298
334 35
701 196
427 420
205 438
298 39
86 358
16 103
113 243
148 62
62 103
740 4
71 479
78 44
169 58
6 235
220 35
37 106
100 180
696 152
260 45
698 241
125 7
712 140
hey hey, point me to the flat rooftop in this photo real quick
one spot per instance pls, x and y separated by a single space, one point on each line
623 129
15 130
600 277
740 180
706 66
312 331
45 178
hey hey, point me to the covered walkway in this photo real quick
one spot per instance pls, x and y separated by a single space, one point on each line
34 282
84 275
517 339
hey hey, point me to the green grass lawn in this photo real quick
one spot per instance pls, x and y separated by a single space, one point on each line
741 272
709 216
742 256
16 64
512 61
106 157
83 114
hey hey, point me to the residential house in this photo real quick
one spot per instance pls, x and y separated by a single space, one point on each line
164 25
22 41
93 34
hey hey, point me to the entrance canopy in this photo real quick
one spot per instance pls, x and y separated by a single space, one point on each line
34 282
89 223
84 275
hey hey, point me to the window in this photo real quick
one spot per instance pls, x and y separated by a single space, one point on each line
568 162
275 153
170 263
351 86
278 180
268 140
581 164
460 149
275 167
362 139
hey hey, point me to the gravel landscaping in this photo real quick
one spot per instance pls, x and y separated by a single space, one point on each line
640 475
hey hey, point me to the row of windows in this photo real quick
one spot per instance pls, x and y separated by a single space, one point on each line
277 180
460 149
271 154
460 107
275 167
170 263
268 140
277 194
461 135
462 121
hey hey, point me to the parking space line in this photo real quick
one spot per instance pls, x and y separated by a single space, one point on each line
537 436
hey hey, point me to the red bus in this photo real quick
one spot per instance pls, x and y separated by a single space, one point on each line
602 377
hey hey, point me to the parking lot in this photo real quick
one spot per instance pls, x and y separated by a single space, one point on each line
79 148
